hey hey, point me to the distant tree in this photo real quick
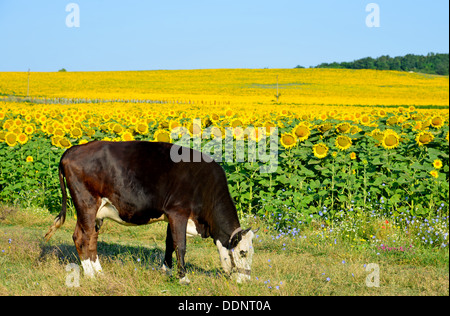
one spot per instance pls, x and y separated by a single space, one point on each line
432 63
62 70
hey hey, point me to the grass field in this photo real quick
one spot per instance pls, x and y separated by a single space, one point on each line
313 262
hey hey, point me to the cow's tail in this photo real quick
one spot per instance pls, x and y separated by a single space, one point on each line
59 220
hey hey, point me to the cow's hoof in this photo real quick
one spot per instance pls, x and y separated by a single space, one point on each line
185 281
165 269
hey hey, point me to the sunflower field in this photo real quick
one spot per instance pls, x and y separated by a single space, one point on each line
348 142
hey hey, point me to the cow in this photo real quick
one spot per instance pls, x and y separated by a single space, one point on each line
138 183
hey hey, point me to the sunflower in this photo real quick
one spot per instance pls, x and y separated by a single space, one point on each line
117 128
353 156
29 159
434 173
76 132
58 132
325 127
377 134
365 119
229 113
343 127
29 129
288 140
194 128
82 141
217 132
270 127
320 150
238 133
214 117
127 136
256 134
141 128
437 122
437 164
392 120
237 123
22 138
390 140
64 143
343 142
11 139
424 138
302 132
55 140
162 136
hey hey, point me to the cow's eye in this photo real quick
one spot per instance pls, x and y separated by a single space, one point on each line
243 253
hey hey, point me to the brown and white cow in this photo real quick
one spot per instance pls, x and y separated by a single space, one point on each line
137 183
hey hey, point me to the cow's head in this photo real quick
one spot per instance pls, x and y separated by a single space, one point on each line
236 259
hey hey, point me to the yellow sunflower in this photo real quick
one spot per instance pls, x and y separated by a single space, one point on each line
237 123
434 173
377 134
302 132
141 128
437 122
29 129
64 143
76 132
392 120
22 138
229 113
127 136
29 159
214 117
269 127
343 142
288 140
320 150
324 127
117 128
437 164
390 139
424 138
343 127
194 129
82 141
162 136
11 139
353 156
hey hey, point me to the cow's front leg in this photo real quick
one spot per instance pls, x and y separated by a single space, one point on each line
178 224
167 265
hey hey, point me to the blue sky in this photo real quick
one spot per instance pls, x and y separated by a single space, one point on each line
191 34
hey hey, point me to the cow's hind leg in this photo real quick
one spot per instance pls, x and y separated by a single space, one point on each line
86 232
86 243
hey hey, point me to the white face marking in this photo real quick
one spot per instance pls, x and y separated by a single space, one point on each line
224 257
191 229
242 257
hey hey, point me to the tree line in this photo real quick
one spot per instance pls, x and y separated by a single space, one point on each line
432 63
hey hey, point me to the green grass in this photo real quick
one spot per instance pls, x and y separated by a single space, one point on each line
316 261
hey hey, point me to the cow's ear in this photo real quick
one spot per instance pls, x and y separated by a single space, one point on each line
237 238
